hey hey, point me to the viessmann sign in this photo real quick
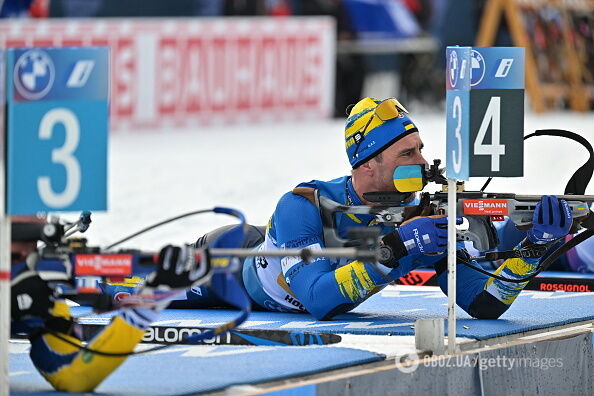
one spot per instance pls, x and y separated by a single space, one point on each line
191 72
485 207
103 264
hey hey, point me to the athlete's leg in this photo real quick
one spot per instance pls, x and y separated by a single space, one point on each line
480 295
70 369
201 296
253 237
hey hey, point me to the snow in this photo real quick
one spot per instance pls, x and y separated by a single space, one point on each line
154 175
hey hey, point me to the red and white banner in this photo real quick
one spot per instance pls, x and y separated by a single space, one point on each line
103 264
495 207
191 72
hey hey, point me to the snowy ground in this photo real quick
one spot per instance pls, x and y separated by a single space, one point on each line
158 174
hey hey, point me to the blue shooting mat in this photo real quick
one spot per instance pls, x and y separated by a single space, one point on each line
393 312
193 369
203 368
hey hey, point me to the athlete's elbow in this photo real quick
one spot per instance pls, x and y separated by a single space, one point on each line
327 313
318 312
319 316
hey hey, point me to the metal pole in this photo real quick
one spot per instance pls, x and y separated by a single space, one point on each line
4 247
4 241
4 282
4 301
451 266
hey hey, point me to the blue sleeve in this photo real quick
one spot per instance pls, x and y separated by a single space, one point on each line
323 289
480 295
469 283
509 234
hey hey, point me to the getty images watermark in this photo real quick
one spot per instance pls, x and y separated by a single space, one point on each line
412 361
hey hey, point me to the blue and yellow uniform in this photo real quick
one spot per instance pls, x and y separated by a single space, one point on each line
326 287
68 368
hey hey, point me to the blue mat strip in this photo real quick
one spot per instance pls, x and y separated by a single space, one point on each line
394 312
192 369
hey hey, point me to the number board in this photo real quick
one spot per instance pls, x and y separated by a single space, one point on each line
494 145
457 109
57 129
497 111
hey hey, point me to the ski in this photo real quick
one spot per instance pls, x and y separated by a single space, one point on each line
179 334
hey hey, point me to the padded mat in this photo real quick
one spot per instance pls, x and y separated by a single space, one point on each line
193 369
394 311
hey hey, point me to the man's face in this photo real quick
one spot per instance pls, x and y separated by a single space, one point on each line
406 151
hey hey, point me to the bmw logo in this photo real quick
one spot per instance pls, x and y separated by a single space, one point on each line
478 68
34 74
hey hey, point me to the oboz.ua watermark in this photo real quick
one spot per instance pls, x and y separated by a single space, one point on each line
411 362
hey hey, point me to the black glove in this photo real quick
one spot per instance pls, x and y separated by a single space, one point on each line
177 269
30 296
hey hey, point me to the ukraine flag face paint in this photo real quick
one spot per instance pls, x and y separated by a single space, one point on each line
408 178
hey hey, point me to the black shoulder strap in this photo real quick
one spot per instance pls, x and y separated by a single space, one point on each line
580 179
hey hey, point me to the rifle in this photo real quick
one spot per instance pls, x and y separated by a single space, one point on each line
479 208
76 270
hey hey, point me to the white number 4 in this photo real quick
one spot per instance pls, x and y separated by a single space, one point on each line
495 149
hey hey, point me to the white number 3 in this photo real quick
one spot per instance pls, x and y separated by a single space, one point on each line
457 114
63 156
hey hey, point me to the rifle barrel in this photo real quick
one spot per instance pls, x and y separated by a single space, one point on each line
582 198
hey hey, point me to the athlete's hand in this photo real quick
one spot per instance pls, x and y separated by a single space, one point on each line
177 269
425 234
551 220
419 235
30 296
